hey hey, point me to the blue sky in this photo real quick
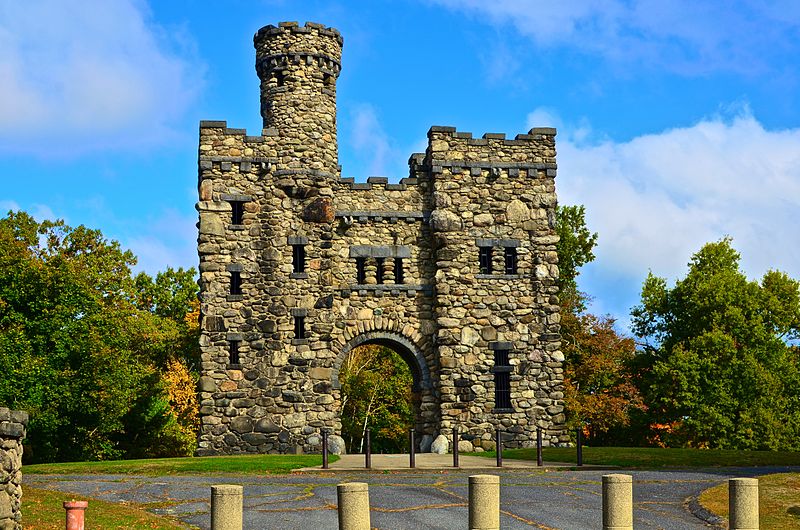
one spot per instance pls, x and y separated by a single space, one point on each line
679 120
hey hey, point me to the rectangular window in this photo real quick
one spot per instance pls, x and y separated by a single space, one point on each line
361 273
237 212
299 327
233 352
299 258
502 380
379 270
485 259
510 254
236 282
398 270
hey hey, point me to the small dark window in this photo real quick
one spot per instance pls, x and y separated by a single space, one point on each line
233 352
361 273
510 254
280 76
379 270
236 282
299 258
299 327
485 259
502 380
398 270
237 212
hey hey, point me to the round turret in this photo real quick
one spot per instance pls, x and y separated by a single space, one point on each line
298 67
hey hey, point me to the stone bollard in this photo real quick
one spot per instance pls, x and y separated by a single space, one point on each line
617 502
353 509
75 514
484 502
743 503
226 507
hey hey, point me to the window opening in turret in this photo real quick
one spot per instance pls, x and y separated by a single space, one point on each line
502 380
299 258
236 282
398 270
299 327
233 352
379 270
361 273
485 260
237 212
510 254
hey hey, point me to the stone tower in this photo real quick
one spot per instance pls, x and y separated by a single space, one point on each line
454 267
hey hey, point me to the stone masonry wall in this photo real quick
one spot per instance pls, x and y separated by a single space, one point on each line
12 432
261 197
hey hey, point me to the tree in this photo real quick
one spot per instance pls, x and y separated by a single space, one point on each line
75 351
376 395
575 249
717 368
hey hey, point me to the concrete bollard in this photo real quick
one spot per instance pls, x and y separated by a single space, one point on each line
484 502
617 502
226 507
353 498
75 514
743 503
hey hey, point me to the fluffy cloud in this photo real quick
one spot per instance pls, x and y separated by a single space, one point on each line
657 198
78 76
687 36
371 146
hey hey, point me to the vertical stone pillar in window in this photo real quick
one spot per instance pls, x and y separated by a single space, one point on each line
387 265
498 261
370 272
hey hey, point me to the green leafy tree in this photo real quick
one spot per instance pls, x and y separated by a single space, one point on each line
718 369
575 249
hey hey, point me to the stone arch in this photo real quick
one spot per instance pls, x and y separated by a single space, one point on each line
409 352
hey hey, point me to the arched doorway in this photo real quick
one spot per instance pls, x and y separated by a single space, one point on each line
383 381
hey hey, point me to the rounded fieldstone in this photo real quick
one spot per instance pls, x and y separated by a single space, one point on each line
242 424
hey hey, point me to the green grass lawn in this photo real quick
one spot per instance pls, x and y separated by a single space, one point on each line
778 502
239 464
43 510
646 457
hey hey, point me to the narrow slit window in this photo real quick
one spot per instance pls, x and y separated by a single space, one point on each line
510 254
233 352
502 380
237 212
485 260
299 327
399 275
379 270
236 282
361 273
299 258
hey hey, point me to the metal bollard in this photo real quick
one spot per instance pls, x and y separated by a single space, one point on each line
539 461
76 511
324 449
411 443
484 502
455 446
743 503
579 433
368 451
353 499
226 507
498 445
617 502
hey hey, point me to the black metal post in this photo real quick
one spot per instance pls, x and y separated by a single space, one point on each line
580 447
324 449
455 446
539 447
368 452
412 449
498 443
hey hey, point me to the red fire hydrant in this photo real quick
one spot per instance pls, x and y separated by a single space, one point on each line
75 513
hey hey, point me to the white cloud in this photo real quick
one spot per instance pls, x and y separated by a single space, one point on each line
170 240
375 153
687 36
656 199
79 76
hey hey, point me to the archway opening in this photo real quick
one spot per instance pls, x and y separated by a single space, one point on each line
379 392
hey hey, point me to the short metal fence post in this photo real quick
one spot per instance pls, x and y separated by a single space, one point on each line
324 449
580 446
498 445
539 461
368 452
412 449
455 446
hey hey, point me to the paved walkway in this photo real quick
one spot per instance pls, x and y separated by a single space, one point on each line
410 499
